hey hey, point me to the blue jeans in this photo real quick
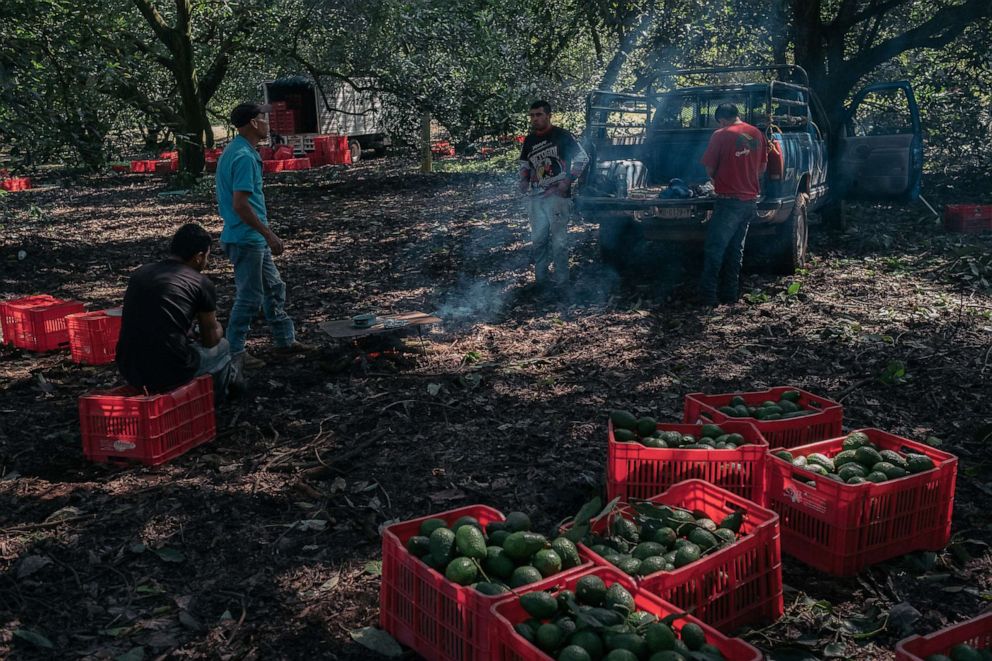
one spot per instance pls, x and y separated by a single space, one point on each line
723 252
216 361
257 285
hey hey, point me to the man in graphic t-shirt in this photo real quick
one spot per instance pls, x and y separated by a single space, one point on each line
551 159
735 159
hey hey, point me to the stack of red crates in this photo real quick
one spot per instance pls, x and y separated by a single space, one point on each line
282 120
122 425
37 323
968 218
331 150
93 336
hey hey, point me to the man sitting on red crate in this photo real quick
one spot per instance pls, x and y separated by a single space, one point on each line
158 349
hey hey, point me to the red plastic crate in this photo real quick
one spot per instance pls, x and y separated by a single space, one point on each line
210 166
120 167
968 218
122 425
93 337
739 584
15 184
296 164
976 632
438 619
842 528
508 645
37 323
788 433
636 471
283 153
272 166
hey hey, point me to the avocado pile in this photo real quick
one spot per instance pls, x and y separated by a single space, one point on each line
662 538
787 406
503 556
860 461
628 428
962 652
599 622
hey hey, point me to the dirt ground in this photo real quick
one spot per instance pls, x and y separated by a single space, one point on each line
263 544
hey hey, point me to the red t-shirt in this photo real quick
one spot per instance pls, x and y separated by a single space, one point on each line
737 155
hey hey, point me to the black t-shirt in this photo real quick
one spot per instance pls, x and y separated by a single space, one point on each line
552 156
160 305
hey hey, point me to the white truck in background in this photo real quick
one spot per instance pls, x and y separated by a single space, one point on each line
333 107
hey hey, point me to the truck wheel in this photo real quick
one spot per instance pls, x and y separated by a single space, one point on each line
618 242
356 151
792 239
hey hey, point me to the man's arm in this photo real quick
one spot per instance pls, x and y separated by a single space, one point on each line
211 331
243 208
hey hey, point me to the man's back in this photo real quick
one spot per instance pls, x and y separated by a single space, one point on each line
160 305
737 154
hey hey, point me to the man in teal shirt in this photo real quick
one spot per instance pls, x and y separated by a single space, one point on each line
247 239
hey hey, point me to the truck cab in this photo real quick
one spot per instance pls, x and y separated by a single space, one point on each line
645 181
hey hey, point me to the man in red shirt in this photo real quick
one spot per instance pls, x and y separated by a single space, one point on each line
735 159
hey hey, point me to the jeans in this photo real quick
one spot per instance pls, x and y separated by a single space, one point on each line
257 284
216 361
549 237
723 252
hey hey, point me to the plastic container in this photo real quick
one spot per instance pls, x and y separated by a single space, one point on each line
93 337
121 425
269 167
737 585
296 164
37 323
842 528
968 218
508 645
438 619
139 166
786 433
976 632
636 471
14 184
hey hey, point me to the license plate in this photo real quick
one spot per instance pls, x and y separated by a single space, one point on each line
677 212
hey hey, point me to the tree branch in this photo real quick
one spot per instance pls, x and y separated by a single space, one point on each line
214 76
875 10
156 22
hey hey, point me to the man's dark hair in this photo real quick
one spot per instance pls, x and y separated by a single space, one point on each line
726 111
541 104
245 112
189 240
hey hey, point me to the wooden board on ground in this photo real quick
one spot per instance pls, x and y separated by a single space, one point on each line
342 328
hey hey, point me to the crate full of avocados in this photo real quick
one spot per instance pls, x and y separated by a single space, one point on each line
696 546
785 416
442 573
852 501
601 614
970 640
645 458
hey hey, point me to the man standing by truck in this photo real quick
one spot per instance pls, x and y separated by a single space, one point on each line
735 159
247 239
551 159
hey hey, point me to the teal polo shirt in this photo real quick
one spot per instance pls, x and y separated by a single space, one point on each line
240 169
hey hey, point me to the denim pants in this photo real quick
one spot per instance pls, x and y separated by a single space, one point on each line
216 361
723 252
549 237
257 285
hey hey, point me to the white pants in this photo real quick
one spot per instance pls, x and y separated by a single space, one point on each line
549 237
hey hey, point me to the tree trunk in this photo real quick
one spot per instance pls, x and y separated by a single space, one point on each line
426 157
628 44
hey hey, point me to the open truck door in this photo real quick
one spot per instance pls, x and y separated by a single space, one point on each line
881 150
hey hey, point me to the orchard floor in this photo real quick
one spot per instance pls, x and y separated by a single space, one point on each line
264 544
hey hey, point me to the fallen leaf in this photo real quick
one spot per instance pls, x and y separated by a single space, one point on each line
377 640
31 564
307 525
133 654
168 554
36 639
447 495
374 568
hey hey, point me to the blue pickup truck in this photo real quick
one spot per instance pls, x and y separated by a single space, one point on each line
645 181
